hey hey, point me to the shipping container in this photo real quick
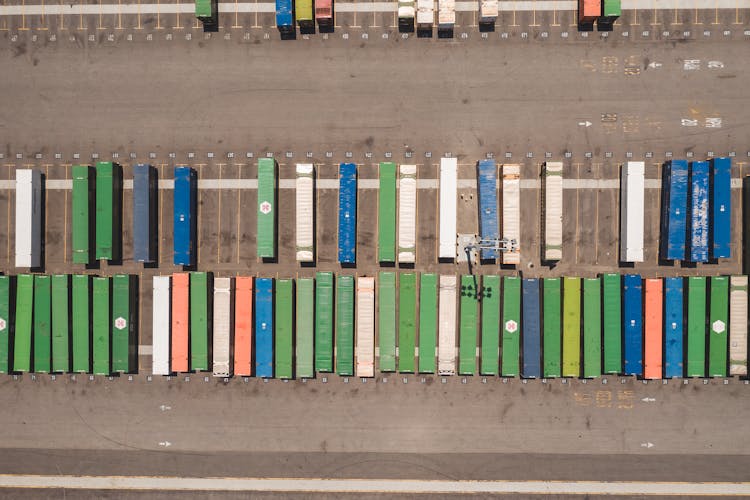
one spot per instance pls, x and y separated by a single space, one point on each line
428 304
24 323
180 321
387 212
81 322
200 307
347 213
633 324
589 10
324 322
267 196
305 312
5 338
60 322
674 210
738 325
696 328
467 326
285 18
160 325
108 210
185 216
721 208
243 325
632 190
345 325
512 212
407 321
673 327
489 362
552 209
612 320
425 14
42 324
324 15
487 204
653 323
81 228
284 333
406 16
305 207
698 211
28 218
303 13
264 327
447 325
365 350
407 214
222 327
592 327
145 213
124 338
511 343
552 325
718 320
101 322
531 330
488 10
387 321
571 342
448 194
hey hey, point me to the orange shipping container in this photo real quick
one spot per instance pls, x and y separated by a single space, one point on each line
180 321
243 324
589 10
653 329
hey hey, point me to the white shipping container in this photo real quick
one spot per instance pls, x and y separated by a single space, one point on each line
553 201
305 212
365 345
738 325
161 304
425 13
222 326
446 12
448 194
407 214
28 218
447 325
488 9
512 211
631 211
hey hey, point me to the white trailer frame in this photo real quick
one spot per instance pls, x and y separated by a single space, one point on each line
447 325
553 210
448 195
407 214
305 212
28 218
222 327
365 337
632 211
512 211
738 325
161 325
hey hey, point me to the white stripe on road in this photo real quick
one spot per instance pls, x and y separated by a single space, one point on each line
392 486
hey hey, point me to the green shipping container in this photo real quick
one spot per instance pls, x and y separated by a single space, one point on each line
266 234
42 324
718 326
467 327
552 327
80 223
387 213
101 326
24 308
490 359
108 195
81 311
511 326
324 322
305 311
199 321
696 334
345 325
4 324
592 328
612 318
407 321
124 344
284 324
427 322
387 321
571 355
60 323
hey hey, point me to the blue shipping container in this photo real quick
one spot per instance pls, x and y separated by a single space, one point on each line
486 173
532 363
633 324
347 213
673 314
144 213
264 327
699 211
185 220
674 210
284 14
721 208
